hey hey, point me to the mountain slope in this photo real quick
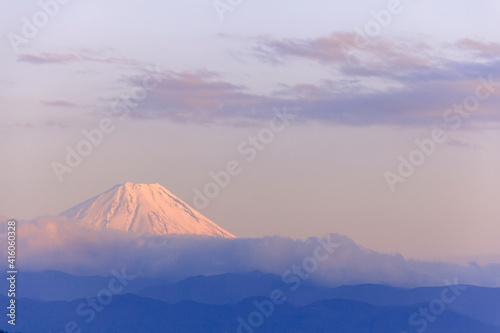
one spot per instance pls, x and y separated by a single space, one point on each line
143 208
479 303
130 313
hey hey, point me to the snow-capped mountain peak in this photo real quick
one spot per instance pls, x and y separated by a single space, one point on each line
143 208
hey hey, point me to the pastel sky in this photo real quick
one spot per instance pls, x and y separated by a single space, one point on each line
361 92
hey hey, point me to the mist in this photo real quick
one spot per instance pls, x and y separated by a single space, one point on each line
57 243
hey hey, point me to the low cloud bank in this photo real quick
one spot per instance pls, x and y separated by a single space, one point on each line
57 243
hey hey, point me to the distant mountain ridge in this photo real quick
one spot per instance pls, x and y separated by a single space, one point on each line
143 209
131 313
232 290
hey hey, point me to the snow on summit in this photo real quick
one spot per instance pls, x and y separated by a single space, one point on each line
143 208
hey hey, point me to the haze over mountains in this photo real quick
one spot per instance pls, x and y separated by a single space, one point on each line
143 209
221 303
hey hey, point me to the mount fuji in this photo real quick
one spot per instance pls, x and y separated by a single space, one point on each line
143 209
